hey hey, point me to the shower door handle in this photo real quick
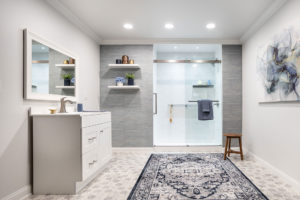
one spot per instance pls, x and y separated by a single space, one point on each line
155 105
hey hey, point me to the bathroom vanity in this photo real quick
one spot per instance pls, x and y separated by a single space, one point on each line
69 150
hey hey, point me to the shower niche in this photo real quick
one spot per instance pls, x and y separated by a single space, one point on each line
182 75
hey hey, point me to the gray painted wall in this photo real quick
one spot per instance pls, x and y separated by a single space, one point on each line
132 111
232 89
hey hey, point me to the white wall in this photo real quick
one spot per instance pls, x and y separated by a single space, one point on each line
41 19
271 131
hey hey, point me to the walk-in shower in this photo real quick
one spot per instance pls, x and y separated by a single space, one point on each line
184 74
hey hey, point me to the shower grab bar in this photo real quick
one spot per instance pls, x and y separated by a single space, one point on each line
186 105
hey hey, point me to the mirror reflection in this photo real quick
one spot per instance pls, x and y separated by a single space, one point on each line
52 72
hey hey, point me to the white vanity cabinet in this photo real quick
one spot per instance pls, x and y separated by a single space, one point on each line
69 150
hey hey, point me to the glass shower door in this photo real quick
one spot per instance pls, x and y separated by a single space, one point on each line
169 122
180 80
200 132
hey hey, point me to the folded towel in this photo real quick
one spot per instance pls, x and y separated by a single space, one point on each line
206 106
205 110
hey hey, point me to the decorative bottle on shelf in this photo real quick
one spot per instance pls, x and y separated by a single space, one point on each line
125 59
71 61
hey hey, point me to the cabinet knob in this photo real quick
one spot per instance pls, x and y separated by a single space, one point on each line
92 138
91 163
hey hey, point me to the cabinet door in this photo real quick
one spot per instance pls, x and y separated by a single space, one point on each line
104 145
101 143
108 142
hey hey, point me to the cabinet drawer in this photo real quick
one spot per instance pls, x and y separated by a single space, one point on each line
90 163
91 120
90 138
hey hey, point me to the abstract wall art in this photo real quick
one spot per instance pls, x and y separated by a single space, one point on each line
278 66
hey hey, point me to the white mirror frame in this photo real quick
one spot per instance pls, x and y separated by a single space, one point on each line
28 94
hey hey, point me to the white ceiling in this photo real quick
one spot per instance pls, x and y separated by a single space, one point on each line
105 18
188 48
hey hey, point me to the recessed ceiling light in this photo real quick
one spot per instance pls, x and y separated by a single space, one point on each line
175 47
128 26
210 26
169 26
197 47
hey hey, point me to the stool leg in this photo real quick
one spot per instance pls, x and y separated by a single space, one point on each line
229 146
226 145
241 149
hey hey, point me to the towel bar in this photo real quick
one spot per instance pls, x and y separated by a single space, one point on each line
197 101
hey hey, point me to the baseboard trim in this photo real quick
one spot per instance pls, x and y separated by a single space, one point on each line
20 194
295 184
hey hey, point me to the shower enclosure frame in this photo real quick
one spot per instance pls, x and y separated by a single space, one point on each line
216 102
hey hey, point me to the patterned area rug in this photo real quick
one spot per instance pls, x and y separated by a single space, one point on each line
193 176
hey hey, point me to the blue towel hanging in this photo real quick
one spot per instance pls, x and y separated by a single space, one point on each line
205 110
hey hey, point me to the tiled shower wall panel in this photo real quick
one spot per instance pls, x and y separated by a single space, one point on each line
132 111
232 89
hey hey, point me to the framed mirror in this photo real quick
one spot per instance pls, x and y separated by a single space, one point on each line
49 71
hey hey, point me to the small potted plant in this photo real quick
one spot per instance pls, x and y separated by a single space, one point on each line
67 79
130 78
120 81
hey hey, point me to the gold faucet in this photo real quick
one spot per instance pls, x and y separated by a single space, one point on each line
63 104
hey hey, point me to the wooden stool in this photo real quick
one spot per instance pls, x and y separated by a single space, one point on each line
228 145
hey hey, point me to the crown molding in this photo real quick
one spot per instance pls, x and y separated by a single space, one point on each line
67 13
268 13
169 41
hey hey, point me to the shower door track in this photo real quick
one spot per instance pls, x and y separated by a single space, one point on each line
187 145
187 61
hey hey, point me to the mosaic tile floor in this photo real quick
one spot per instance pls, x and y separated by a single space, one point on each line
117 180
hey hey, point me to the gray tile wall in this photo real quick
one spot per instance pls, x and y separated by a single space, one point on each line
132 111
55 73
232 89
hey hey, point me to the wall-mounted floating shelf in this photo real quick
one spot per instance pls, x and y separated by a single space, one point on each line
66 66
65 87
203 86
124 66
125 87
